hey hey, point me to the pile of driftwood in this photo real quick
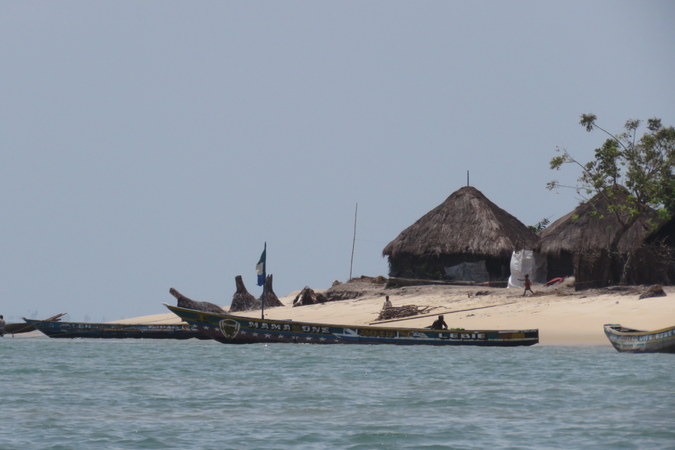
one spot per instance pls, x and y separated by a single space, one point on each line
395 312
309 297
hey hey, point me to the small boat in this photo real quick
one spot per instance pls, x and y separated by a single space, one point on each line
231 329
636 341
57 329
23 327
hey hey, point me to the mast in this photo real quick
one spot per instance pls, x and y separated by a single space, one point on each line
261 271
351 263
262 302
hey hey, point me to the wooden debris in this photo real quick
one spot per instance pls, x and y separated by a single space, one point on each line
395 312
308 297
653 291
441 312
185 302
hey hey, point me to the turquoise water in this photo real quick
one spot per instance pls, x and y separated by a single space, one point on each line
87 393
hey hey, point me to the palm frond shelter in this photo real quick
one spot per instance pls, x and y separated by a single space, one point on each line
467 237
601 244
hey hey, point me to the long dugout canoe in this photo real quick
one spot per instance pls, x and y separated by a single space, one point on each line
232 329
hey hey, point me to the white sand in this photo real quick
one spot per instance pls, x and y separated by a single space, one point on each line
562 316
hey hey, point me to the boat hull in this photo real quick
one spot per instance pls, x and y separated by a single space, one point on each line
636 341
18 328
231 329
56 329
23 327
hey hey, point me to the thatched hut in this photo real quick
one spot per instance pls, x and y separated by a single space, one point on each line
601 244
661 247
467 237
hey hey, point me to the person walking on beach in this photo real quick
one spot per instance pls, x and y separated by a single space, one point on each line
528 285
2 325
439 324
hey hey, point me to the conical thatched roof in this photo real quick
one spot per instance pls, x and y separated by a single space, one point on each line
465 223
592 226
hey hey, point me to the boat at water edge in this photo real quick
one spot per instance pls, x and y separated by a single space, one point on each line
232 329
626 339
23 327
57 329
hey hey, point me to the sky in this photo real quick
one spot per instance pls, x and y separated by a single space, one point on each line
153 144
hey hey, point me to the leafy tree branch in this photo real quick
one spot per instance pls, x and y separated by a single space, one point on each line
643 165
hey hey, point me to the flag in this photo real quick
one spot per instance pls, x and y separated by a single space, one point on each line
260 267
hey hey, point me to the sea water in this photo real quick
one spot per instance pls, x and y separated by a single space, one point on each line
134 394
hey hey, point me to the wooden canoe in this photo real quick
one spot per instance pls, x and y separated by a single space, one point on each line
23 327
57 329
626 339
232 329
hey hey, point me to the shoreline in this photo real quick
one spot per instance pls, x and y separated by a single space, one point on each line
563 317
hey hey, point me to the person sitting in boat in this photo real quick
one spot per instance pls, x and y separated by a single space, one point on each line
439 324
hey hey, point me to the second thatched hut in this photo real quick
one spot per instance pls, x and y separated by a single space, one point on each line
467 238
603 241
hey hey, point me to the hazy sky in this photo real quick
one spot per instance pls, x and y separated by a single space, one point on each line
155 144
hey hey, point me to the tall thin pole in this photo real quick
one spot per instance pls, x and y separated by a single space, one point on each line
351 264
262 297
467 178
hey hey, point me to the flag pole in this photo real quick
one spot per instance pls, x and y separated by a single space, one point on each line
262 302
261 271
351 263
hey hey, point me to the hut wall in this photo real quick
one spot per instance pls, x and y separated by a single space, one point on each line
561 265
498 268
406 266
598 268
650 264
434 268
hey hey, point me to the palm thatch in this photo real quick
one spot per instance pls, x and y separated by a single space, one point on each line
597 224
601 242
466 227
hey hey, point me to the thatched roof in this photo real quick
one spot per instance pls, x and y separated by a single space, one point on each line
592 226
465 223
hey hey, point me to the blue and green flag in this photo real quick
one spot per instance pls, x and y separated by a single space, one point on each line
260 267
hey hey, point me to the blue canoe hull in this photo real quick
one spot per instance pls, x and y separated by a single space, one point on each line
56 329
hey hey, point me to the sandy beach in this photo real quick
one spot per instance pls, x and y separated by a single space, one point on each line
563 316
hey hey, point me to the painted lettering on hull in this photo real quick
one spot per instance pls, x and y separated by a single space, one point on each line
268 326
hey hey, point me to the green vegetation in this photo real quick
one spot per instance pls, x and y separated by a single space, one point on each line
539 226
644 166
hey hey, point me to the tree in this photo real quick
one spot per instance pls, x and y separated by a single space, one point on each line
539 226
634 177
643 166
